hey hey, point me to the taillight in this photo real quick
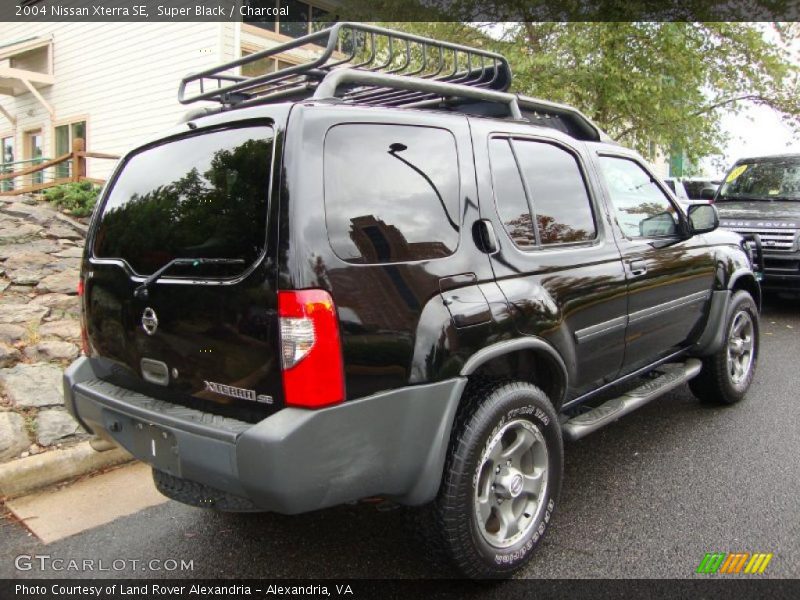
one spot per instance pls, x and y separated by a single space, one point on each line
311 355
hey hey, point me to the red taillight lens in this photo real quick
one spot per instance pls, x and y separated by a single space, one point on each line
311 355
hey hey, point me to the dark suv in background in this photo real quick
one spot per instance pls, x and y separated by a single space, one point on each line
762 196
699 188
347 283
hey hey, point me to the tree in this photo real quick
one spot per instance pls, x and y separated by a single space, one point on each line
647 84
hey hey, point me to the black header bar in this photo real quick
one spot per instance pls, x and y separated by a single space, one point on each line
402 10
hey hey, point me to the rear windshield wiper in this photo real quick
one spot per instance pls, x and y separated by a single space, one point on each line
141 292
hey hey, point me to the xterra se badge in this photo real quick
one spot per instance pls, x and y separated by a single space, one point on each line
236 392
149 321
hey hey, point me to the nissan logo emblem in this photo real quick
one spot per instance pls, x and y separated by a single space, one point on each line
516 485
149 321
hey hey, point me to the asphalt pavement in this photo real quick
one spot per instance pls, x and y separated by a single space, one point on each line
645 497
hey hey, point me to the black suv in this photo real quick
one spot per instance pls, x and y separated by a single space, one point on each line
761 196
395 281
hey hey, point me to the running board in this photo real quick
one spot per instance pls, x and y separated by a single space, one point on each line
672 375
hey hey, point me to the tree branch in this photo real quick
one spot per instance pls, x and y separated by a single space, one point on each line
705 109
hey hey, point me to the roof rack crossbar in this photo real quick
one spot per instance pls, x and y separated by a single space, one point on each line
329 86
399 98
348 45
462 77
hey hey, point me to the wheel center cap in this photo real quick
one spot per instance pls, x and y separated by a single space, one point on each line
509 483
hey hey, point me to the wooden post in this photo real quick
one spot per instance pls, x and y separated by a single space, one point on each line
78 159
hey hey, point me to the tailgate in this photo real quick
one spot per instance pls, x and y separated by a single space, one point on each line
204 331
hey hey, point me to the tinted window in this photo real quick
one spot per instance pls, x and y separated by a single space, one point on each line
558 193
509 194
391 192
776 179
642 209
199 196
694 189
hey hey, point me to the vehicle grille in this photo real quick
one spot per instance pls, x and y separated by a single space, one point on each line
772 239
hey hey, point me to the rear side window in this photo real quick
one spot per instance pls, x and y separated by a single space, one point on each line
558 193
554 194
391 192
509 195
203 195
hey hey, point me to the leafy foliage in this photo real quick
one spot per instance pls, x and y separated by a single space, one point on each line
78 199
647 84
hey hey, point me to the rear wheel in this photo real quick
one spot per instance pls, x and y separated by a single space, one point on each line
502 480
726 376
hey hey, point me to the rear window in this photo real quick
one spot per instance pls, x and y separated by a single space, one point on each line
391 192
203 195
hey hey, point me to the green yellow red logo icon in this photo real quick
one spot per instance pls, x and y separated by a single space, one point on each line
734 563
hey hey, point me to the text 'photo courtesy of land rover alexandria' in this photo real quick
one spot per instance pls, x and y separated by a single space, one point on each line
761 197
380 274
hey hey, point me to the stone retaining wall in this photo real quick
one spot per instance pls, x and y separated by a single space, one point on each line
40 252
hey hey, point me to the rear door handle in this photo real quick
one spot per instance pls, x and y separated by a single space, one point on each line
637 268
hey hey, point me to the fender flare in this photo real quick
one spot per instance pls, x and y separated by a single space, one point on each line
713 336
488 353
745 274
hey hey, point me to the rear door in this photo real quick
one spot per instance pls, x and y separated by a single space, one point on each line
380 204
203 334
558 267
669 275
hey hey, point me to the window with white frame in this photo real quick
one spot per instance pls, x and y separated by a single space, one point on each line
303 18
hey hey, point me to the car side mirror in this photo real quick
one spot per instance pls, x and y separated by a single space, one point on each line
707 193
703 218
659 225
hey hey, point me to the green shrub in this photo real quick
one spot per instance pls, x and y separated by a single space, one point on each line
78 199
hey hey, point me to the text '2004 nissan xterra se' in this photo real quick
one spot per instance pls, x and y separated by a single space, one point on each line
397 280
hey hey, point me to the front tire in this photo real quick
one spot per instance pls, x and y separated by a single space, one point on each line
726 376
501 480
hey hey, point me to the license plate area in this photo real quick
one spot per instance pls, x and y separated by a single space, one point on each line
156 446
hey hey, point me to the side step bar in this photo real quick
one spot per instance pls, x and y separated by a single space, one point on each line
672 375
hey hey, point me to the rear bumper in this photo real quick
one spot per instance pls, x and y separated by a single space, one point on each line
391 444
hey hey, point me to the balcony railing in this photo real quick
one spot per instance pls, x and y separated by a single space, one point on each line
37 174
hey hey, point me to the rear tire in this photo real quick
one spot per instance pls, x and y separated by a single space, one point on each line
501 481
726 375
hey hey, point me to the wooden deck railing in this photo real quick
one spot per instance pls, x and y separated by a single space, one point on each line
33 177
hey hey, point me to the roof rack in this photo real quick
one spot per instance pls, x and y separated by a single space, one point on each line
355 45
368 65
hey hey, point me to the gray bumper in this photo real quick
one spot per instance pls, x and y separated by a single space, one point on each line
392 444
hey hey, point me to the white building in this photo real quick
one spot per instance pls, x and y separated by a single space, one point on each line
116 84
